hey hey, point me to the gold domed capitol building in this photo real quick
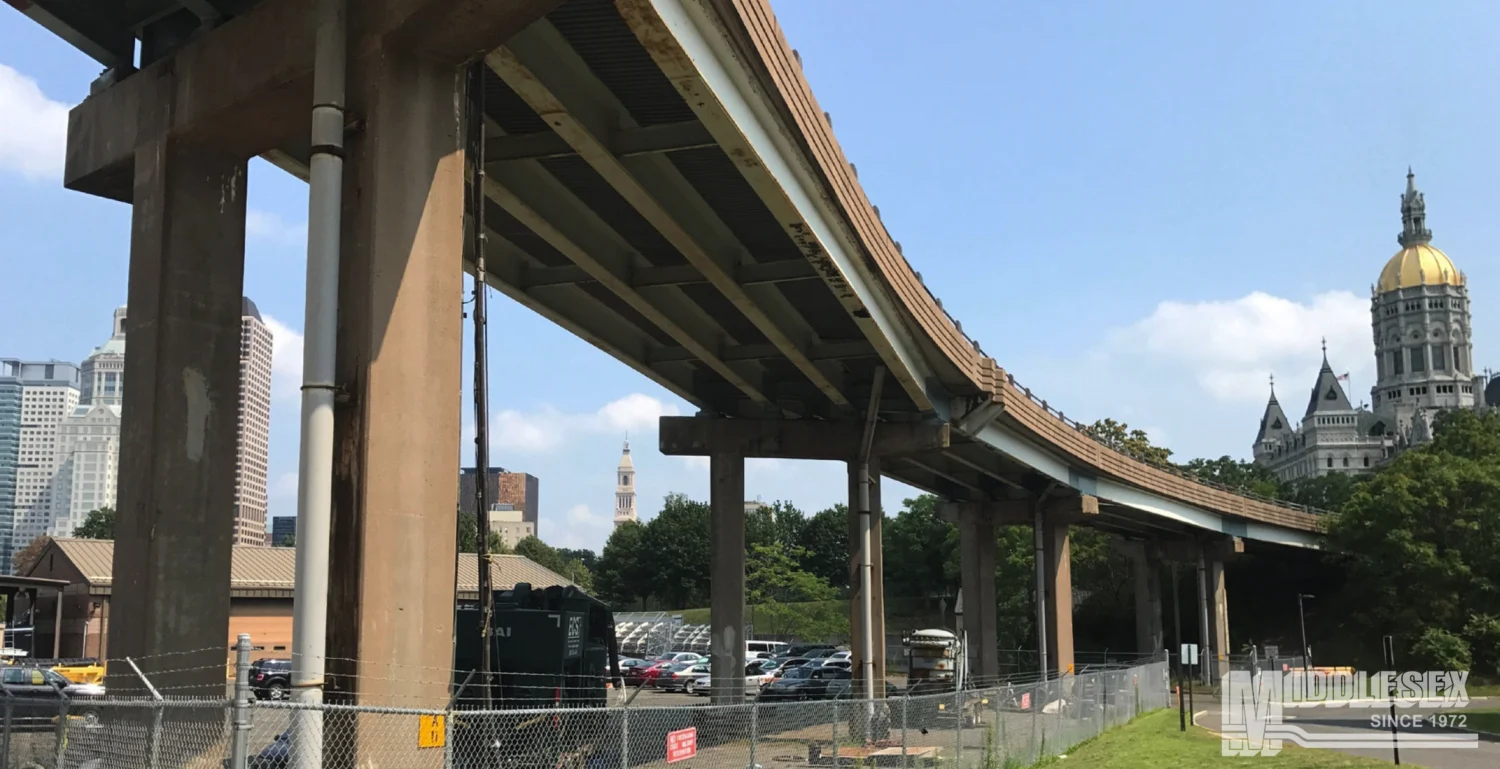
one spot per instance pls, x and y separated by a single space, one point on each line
1424 364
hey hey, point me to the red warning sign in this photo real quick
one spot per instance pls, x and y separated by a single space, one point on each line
682 744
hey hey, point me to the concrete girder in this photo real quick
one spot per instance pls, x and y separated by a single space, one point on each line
754 139
794 438
614 277
582 131
622 143
566 304
673 275
818 352
1022 512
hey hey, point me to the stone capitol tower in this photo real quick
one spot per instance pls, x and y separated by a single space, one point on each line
1424 364
625 489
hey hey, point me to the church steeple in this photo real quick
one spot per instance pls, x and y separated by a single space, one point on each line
625 511
1413 215
1273 426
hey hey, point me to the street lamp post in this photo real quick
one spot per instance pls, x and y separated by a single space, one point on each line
1306 652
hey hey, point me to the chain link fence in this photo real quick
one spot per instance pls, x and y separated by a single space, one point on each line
1002 724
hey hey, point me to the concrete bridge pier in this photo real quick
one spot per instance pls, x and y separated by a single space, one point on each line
976 522
976 554
1145 567
399 376
1213 604
179 422
727 443
726 614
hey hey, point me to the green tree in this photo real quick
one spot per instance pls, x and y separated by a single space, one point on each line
620 578
1119 436
788 523
1421 537
587 557
1236 474
1325 492
1438 649
98 524
558 561
677 540
824 544
920 550
289 540
788 600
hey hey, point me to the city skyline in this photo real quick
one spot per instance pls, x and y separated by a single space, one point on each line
60 437
1154 272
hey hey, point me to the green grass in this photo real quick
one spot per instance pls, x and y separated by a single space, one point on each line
1487 720
1153 742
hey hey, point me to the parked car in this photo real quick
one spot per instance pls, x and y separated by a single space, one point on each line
271 678
680 677
37 695
648 676
679 657
820 683
755 678
634 670
806 650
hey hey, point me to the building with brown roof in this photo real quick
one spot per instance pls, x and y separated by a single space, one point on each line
261 581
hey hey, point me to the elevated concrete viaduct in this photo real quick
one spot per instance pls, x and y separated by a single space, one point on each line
661 182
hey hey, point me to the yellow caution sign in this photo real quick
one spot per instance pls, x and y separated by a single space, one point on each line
431 732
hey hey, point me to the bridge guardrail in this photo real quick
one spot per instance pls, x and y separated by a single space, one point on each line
1163 466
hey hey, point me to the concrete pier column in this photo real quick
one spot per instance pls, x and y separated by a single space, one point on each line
726 614
877 578
180 418
396 428
1219 612
1145 565
1059 587
976 553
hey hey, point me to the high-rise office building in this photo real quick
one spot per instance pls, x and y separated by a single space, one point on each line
88 438
283 530
255 428
84 444
505 491
35 398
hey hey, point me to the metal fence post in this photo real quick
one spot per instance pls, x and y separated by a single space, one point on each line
905 701
5 736
754 732
958 730
62 729
625 736
154 738
835 721
239 747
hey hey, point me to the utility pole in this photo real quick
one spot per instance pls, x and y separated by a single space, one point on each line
475 157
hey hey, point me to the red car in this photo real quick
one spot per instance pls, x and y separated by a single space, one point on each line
648 676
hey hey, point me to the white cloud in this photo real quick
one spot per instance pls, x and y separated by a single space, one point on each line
286 361
545 430
271 227
34 131
1231 347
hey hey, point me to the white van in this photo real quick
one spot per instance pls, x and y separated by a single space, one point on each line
763 649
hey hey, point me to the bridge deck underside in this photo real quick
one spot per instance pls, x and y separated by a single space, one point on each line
628 205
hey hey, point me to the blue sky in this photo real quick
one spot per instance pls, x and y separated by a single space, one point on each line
1140 209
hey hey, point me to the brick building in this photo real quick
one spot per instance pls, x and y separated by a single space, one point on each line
261 583
512 491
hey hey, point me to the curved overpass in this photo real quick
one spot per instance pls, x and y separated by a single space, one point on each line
746 86
664 185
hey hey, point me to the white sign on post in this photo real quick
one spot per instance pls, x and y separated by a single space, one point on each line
1190 654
